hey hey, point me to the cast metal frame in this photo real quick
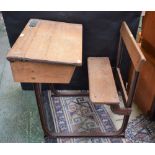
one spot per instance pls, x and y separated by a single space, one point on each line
126 110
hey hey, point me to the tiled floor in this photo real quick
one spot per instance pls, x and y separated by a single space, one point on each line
19 119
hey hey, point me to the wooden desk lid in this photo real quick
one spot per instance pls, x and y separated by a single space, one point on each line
49 41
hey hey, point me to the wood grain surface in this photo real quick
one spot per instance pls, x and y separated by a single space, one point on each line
36 72
101 81
49 41
134 51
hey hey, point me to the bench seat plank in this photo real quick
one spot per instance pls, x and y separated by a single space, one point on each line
101 81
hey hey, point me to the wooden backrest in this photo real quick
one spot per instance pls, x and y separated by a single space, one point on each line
134 51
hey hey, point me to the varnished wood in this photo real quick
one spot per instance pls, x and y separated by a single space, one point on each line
101 81
145 90
148 32
134 51
36 72
49 42
149 57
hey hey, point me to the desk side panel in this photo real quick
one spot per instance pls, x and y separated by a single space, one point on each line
32 72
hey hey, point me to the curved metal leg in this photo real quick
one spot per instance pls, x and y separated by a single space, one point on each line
124 124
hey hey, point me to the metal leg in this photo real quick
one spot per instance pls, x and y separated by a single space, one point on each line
124 124
38 94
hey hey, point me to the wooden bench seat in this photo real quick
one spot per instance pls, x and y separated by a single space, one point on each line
101 81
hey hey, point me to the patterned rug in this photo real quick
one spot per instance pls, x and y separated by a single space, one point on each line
141 130
74 114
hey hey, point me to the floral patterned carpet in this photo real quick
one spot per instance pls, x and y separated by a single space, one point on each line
74 114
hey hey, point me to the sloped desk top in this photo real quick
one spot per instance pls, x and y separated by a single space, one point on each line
46 52
49 41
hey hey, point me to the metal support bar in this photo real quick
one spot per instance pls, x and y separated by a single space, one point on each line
86 134
38 94
62 94
116 109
